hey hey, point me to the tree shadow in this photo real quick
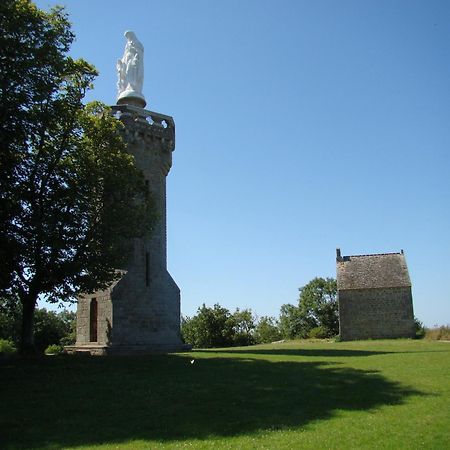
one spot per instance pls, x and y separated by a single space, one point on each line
325 353
59 402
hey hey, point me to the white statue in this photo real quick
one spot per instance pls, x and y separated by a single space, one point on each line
131 69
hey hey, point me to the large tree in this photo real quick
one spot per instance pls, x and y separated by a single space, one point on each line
243 324
293 324
316 314
218 327
267 330
318 305
210 327
71 197
50 327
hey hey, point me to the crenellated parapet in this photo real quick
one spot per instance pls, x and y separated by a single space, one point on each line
153 130
147 125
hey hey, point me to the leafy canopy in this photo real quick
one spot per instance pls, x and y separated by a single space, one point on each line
319 306
50 327
267 330
316 314
218 327
71 197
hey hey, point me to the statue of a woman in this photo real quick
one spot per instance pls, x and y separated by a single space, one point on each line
131 70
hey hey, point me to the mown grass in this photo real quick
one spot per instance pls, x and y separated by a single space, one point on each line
373 394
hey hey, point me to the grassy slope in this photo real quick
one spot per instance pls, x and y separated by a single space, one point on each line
374 394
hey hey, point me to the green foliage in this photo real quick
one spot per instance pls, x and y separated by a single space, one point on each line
267 330
419 328
243 326
54 349
69 319
49 327
211 327
293 324
7 347
317 333
217 327
319 306
10 320
71 196
316 316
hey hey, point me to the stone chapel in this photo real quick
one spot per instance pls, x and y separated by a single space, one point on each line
374 296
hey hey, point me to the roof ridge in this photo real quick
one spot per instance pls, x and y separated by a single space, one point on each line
373 254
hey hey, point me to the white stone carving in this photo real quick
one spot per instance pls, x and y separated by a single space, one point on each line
130 70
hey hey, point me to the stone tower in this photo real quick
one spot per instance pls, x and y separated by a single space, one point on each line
140 312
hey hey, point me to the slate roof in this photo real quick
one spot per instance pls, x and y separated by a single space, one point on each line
372 271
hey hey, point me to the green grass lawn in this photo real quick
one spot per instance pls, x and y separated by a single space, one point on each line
373 394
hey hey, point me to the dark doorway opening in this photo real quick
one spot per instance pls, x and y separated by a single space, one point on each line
93 320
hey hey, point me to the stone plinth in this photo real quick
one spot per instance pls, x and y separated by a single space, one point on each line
132 98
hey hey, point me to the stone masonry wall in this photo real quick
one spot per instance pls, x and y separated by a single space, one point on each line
144 306
147 300
104 318
376 313
141 312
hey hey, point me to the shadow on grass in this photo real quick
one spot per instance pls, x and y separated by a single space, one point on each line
54 402
328 353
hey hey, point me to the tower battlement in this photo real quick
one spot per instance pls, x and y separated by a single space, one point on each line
148 124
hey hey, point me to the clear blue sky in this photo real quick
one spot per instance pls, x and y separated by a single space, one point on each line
302 126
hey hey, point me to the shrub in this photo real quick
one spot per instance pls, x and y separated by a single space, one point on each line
419 328
438 333
53 349
50 327
318 333
70 339
7 347
267 330
211 327
10 320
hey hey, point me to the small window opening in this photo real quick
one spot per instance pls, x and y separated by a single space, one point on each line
147 268
93 320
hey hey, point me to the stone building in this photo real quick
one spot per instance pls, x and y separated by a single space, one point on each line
374 294
141 311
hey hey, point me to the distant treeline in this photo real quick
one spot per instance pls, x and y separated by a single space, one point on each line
50 327
315 316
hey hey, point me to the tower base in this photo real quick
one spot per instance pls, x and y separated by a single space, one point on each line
125 350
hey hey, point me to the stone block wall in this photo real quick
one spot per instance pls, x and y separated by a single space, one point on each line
103 319
141 312
146 315
376 313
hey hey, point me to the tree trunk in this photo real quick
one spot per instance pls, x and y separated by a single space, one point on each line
27 336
